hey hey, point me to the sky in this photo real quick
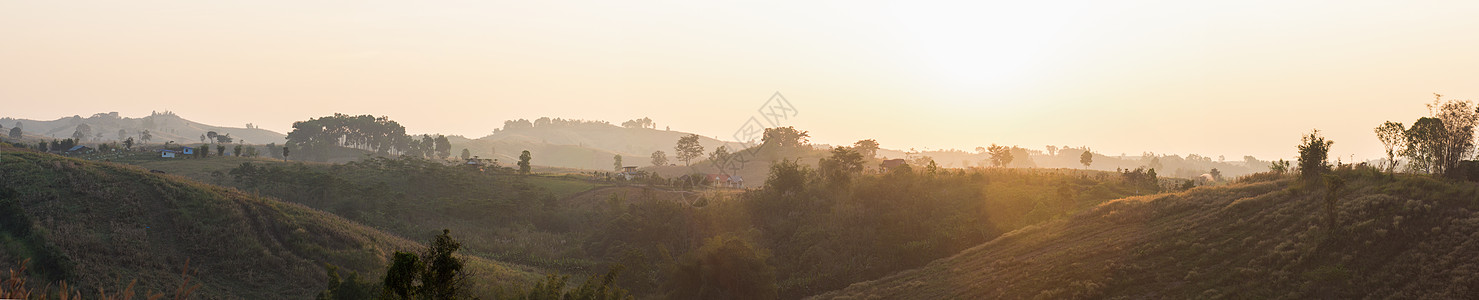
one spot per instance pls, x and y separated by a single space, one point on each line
1176 77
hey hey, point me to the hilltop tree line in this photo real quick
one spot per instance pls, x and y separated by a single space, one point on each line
1436 144
316 138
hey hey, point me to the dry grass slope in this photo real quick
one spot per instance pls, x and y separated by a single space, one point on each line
1400 236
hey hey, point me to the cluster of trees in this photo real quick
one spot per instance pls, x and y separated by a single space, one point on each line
316 137
547 121
15 131
1435 144
640 123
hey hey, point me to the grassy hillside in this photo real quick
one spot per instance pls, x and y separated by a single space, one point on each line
100 225
1402 236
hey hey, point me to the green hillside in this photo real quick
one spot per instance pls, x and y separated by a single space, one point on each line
100 225
1402 236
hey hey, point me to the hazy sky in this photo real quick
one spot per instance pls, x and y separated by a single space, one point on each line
1232 78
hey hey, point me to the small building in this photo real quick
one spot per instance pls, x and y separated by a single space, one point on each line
168 153
629 173
78 149
187 150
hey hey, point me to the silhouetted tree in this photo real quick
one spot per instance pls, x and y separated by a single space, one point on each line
400 278
466 154
867 148
128 144
352 288
1087 158
220 150
659 158
1424 145
785 137
1391 135
443 147
524 162
688 148
616 162
1000 155
436 274
1313 150
236 151
145 136
1052 150
842 165
443 277
15 133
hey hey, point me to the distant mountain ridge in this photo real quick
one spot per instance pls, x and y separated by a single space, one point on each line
163 127
584 145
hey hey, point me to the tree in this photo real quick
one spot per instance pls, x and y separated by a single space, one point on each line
236 151
1457 142
1279 167
224 139
83 131
443 147
1424 144
145 136
867 148
726 267
720 154
284 152
785 137
220 150
443 277
1087 158
351 288
659 158
1216 174
202 138
842 165
1052 150
436 274
688 148
524 162
466 154
211 135
1000 155
1313 150
401 275
15 132
128 144
1391 135
616 162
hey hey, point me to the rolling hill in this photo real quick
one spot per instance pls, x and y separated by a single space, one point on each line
100 225
585 145
163 127
1402 236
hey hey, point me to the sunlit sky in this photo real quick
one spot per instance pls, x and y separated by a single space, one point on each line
1178 77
